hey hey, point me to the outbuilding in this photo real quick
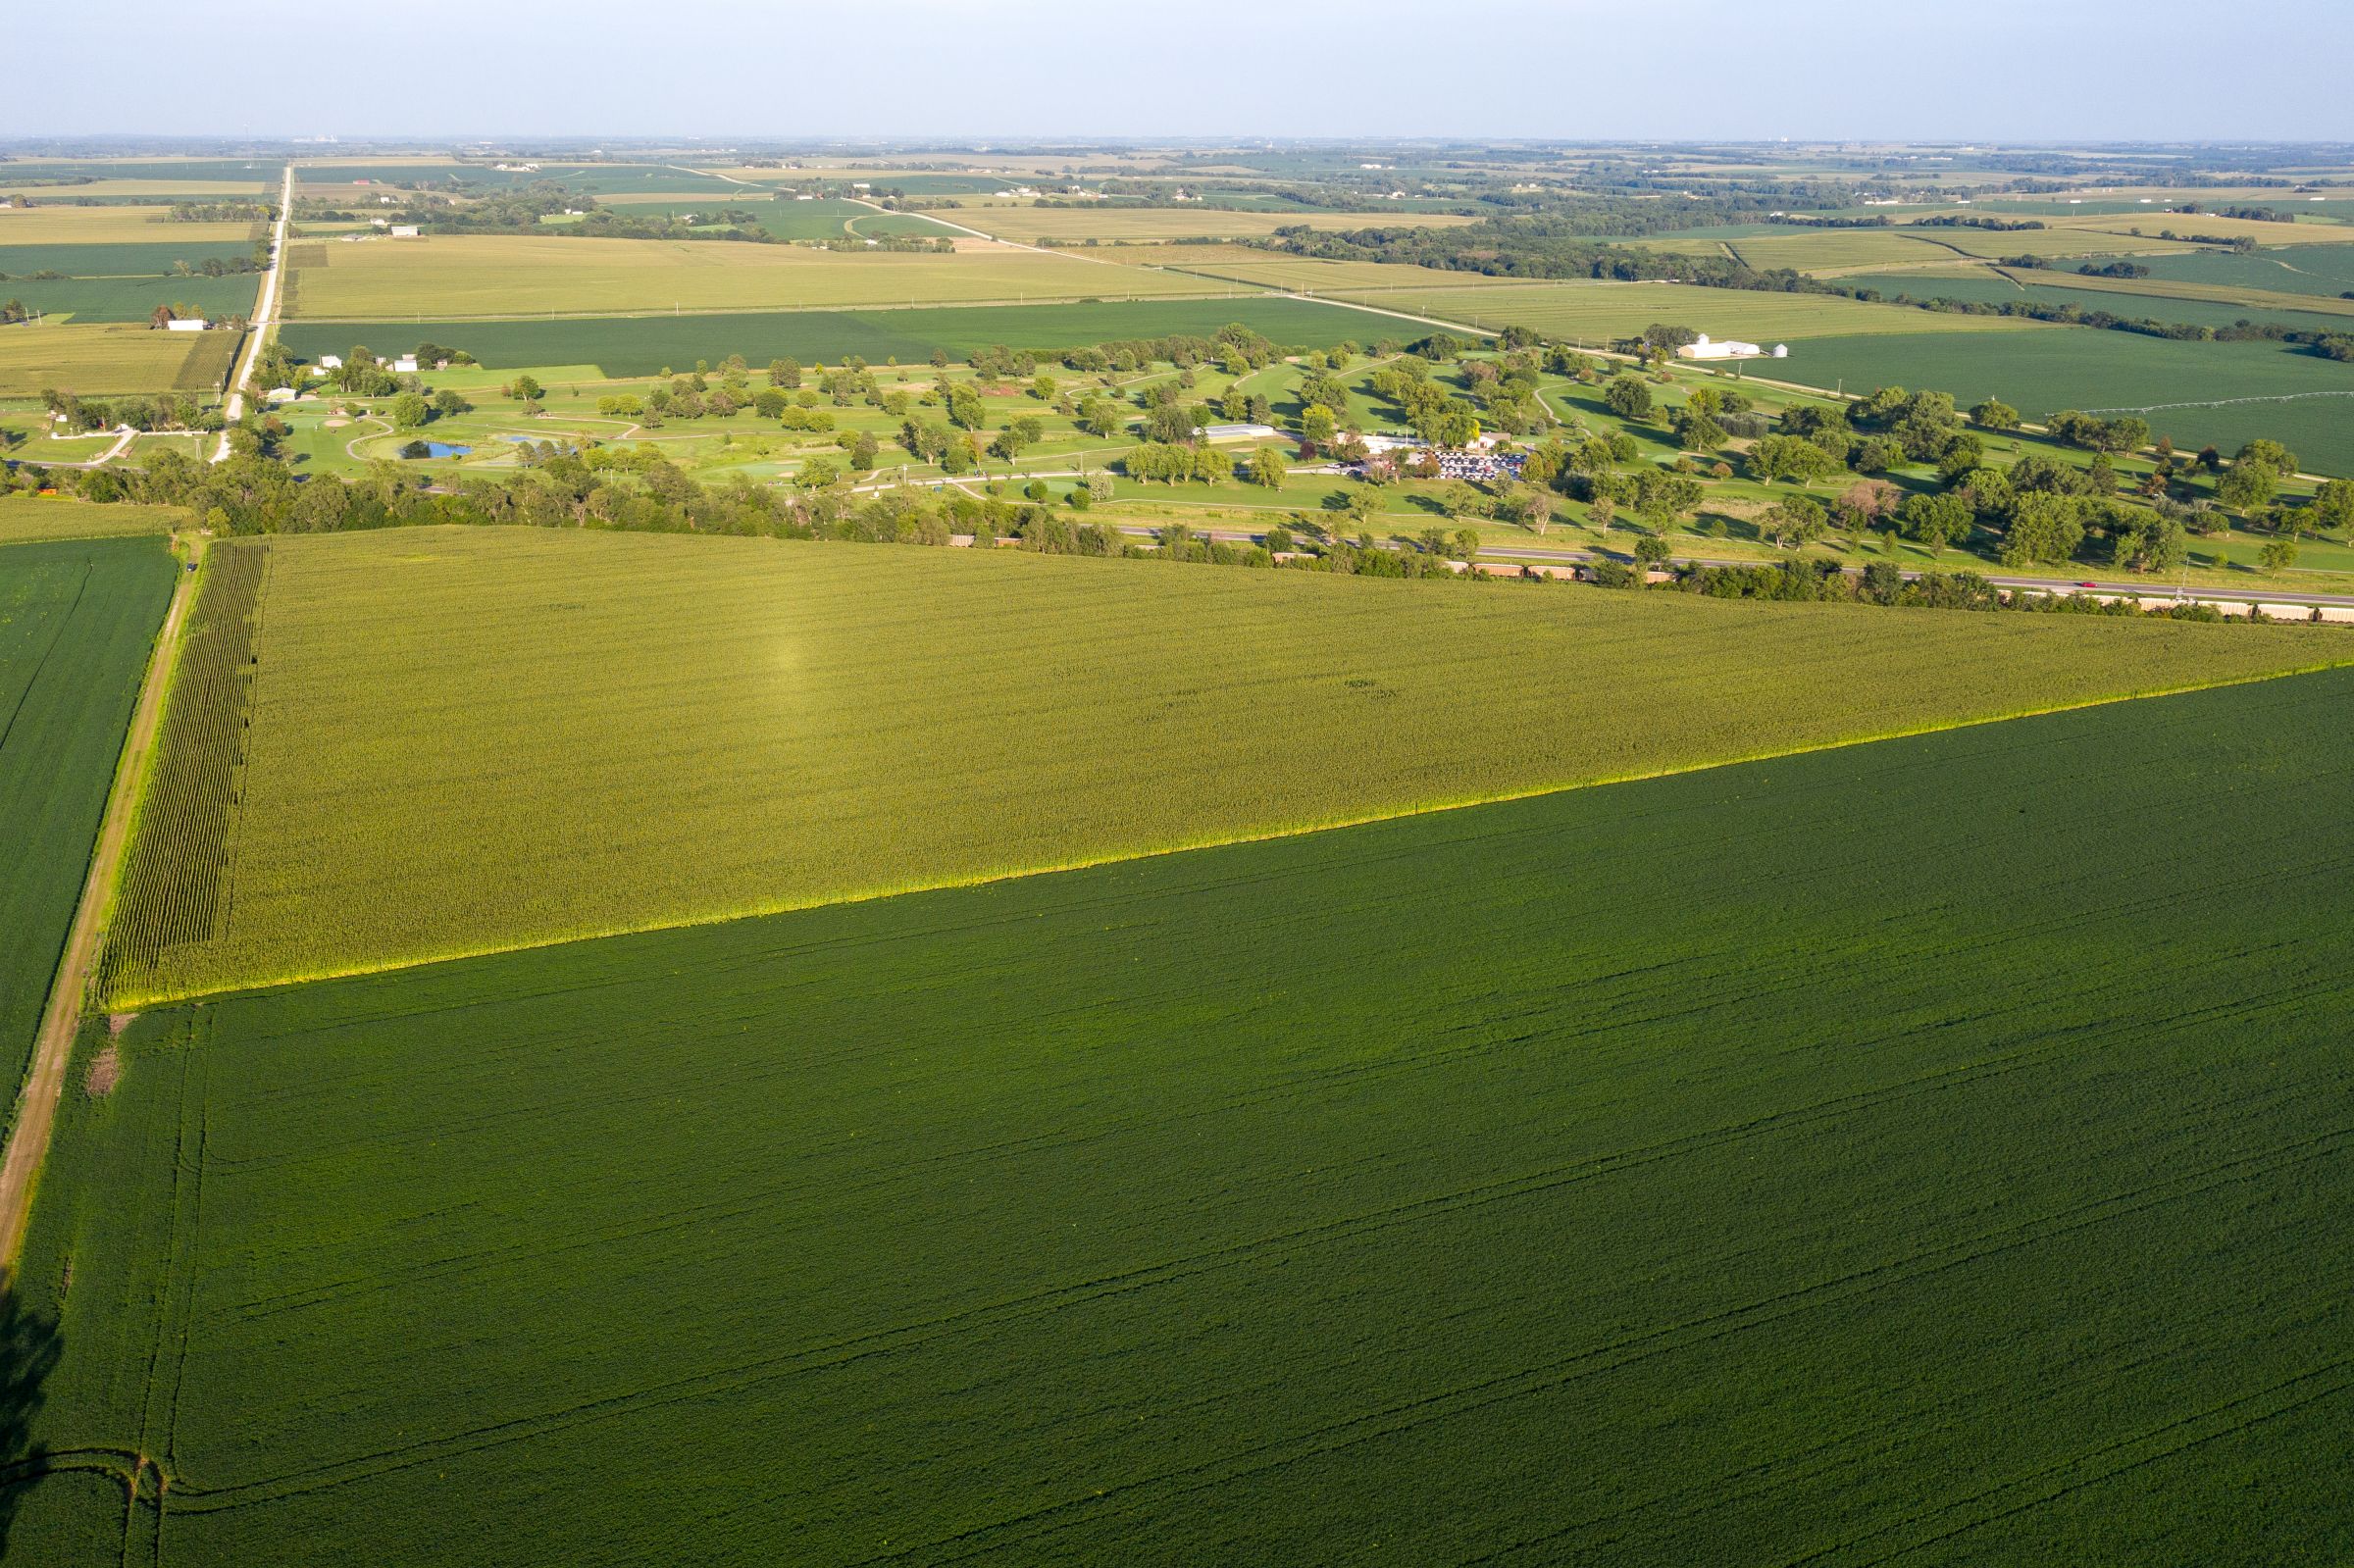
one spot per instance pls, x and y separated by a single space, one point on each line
1705 347
186 324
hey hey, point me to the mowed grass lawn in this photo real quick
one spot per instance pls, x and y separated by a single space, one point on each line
1896 1155
678 729
95 359
464 274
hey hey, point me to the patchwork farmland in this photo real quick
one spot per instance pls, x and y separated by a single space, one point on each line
1793 1083
714 871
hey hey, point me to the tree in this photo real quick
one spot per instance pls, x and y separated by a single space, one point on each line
1866 501
2333 504
1935 521
2043 528
1696 431
2280 552
1605 512
1994 415
1316 428
525 390
410 411
2147 542
2245 486
1790 457
1651 550
2264 453
1628 397
785 372
1267 470
1466 544
448 402
1793 520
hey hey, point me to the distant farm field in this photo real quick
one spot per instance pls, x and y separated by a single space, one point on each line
2198 393
2142 299
110 226
146 258
2307 270
163 191
642 345
1147 225
459 276
1302 274
134 299
27 518
800 723
98 359
1860 1158
76 619
1596 312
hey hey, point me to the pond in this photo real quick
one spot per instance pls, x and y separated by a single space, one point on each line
433 449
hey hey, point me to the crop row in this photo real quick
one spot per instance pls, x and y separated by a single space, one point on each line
175 880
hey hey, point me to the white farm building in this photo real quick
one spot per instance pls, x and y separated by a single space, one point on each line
186 324
1705 347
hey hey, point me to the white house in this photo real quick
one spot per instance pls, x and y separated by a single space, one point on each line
330 362
1704 347
187 324
406 365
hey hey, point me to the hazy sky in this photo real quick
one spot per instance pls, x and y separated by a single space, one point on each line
1950 70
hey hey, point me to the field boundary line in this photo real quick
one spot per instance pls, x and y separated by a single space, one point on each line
1256 291
53 1046
141 1000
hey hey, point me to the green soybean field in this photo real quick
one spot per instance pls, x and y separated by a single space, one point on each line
1888 1155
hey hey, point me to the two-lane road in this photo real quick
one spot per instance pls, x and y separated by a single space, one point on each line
265 316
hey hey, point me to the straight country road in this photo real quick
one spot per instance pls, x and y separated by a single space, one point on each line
53 1046
265 315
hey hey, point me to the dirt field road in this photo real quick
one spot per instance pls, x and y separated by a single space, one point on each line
36 1109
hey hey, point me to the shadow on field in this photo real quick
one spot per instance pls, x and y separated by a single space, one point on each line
29 1344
